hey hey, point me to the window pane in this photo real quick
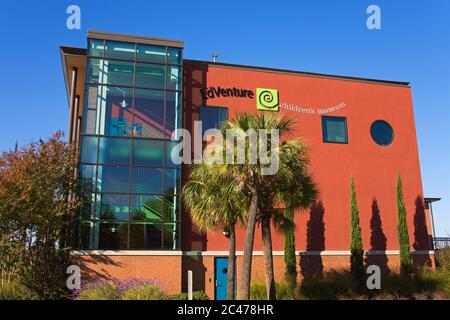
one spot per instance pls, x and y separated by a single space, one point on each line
113 236
170 235
172 181
117 112
94 71
118 73
174 56
96 47
149 113
88 178
382 133
150 75
145 236
146 207
146 180
171 208
148 53
114 179
173 112
334 129
92 102
119 50
148 152
169 146
89 206
89 149
212 117
114 151
114 206
84 235
174 78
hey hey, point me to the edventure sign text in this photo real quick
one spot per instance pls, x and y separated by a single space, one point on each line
217 92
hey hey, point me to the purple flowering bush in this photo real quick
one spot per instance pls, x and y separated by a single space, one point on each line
132 289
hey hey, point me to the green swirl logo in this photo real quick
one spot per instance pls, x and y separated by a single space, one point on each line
267 99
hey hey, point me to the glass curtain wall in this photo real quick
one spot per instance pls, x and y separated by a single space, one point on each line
130 189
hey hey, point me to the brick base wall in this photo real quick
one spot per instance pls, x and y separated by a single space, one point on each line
307 265
165 269
171 271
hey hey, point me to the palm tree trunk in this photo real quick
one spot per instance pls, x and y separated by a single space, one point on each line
231 262
268 257
244 293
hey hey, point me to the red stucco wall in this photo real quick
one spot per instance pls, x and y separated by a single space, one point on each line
373 167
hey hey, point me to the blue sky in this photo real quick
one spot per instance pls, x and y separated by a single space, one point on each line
318 36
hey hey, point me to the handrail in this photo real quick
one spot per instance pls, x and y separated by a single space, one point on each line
441 243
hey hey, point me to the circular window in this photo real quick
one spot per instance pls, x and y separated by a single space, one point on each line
225 270
382 133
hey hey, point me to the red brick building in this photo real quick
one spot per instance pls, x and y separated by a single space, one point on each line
127 94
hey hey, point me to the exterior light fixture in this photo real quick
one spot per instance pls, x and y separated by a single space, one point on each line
123 104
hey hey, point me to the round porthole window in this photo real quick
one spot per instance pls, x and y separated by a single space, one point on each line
382 133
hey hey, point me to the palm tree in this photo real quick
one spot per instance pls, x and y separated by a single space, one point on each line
250 177
265 193
216 202
291 187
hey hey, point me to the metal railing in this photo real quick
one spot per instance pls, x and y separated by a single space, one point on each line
441 243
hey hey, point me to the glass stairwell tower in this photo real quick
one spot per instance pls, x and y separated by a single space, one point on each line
130 188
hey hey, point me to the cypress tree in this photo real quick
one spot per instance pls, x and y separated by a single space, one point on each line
290 261
402 232
356 248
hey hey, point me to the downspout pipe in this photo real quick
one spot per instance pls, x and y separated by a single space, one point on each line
75 119
73 86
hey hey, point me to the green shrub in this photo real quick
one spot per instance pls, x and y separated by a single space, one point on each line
258 291
431 281
284 291
330 288
396 286
99 291
179 296
199 295
196 295
425 284
144 292
442 257
12 290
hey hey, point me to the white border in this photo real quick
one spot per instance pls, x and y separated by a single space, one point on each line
238 253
